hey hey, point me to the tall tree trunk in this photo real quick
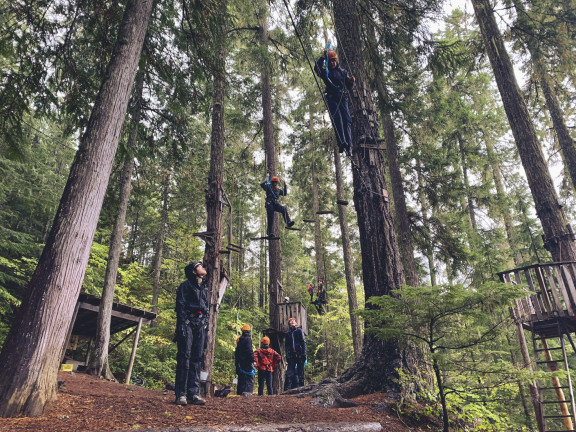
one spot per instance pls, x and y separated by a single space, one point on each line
505 214
99 356
274 250
469 206
166 177
429 246
348 263
28 372
557 233
214 198
559 124
400 208
377 367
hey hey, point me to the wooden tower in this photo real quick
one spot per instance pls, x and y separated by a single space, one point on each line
548 312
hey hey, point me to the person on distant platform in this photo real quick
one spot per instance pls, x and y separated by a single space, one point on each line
266 361
338 84
191 325
311 291
273 192
244 357
295 344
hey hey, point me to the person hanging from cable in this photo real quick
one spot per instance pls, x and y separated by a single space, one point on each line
273 192
338 84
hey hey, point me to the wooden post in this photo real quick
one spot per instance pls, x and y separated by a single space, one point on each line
535 396
559 392
133 355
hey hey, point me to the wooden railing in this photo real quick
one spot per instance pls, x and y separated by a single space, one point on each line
551 290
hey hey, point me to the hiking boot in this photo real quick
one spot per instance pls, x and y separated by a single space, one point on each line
181 400
196 400
290 224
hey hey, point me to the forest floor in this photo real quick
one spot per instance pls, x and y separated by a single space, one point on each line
88 404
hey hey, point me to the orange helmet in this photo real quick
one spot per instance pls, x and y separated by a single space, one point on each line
275 179
265 340
332 55
246 327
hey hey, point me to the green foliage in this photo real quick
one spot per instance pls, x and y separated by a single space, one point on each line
461 329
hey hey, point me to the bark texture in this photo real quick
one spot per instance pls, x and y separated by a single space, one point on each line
99 356
558 234
376 369
29 359
274 250
348 263
214 194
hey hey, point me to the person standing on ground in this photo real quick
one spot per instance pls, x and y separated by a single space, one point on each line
266 360
244 357
295 344
192 309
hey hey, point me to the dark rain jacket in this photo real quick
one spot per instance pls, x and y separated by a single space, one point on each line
192 304
295 344
337 82
272 194
244 354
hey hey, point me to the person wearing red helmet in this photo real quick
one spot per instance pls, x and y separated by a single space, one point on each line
266 361
338 84
273 192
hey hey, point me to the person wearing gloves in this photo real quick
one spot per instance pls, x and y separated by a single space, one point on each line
273 192
192 308
266 360
338 84
244 357
295 344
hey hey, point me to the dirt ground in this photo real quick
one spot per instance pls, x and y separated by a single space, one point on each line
88 404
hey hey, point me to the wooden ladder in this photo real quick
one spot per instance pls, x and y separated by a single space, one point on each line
556 395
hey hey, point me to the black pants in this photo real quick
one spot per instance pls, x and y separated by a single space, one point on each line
190 342
245 383
272 207
294 373
264 375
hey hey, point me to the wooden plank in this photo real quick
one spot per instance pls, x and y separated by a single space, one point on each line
125 316
552 292
542 295
571 289
527 301
562 288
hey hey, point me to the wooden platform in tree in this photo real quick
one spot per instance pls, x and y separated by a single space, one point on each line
551 294
292 310
264 238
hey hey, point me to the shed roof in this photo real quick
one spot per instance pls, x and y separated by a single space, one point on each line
123 316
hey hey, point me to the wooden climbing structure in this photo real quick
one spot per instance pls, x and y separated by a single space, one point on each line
548 312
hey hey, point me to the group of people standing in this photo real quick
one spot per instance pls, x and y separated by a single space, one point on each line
265 359
192 313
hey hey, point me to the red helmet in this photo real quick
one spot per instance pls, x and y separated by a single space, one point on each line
332 55
275 179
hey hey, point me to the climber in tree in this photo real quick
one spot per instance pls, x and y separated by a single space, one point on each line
338 83
273 192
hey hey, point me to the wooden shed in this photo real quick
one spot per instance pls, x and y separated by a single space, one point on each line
291 310
123 317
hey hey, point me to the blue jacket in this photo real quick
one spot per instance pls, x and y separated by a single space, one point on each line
295 343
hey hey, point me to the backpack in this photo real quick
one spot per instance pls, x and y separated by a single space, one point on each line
222 392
